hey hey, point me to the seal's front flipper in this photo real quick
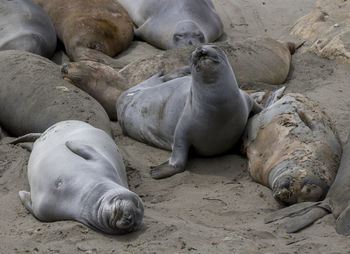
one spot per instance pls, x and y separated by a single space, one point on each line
26 200
292 210
343 222
181 72
31 137
165 170
85 151
299 222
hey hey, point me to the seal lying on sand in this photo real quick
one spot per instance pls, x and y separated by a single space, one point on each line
294 149
206 111
90 30
254 62
33 96
174 23
26 26
336 202
76 172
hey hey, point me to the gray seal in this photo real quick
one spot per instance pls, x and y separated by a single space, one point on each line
205 110
76 172
26 26
173 23
336 202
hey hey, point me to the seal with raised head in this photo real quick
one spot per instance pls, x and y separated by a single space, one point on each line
174 23
206 111
26 26
90 30
76 172
336 202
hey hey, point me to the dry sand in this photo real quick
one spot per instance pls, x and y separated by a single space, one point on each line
214 207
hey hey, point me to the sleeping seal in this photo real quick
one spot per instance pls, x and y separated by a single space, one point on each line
336 202
93 30
174 23
26 26
76 172
205 110
293 148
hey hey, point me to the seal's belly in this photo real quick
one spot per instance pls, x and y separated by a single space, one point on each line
150 114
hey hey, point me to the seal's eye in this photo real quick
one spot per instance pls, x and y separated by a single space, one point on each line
179 37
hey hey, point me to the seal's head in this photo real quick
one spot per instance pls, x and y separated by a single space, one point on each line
290 190
123 213
187 33
207 63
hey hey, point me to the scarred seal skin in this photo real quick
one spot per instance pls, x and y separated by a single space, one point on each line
26 26
90 30
76 172
170 24
336 202
205 110
33 96
294 149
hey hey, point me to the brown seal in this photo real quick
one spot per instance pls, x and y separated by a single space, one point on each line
90 30
294 149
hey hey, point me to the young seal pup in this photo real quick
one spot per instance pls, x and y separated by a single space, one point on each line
174 23
76 172
206 110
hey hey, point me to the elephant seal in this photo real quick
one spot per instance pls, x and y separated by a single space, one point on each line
206 111
293 148
33 96
76 172
336 202
101 81
255 63
26 26
169 24
90 30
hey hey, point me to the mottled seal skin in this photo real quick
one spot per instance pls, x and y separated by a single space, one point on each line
336 202
26 26
33 96
76 172
90 30
206 111
294 149
174 23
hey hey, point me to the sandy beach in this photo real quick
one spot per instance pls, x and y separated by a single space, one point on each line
214 206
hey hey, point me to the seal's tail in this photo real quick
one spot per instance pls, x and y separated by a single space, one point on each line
300 215
293 47
343 222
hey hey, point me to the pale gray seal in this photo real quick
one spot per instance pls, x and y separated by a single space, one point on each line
173 23
26 26
76 172
206 110
90 30
336 202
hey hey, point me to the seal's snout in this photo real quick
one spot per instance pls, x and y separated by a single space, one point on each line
64 69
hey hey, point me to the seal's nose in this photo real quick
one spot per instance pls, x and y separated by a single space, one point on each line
64 69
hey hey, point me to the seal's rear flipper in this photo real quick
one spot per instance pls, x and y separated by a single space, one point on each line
299 208
31 137
26 200
302 221
343 222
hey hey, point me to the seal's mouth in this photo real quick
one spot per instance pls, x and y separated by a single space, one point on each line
126 215
205 55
